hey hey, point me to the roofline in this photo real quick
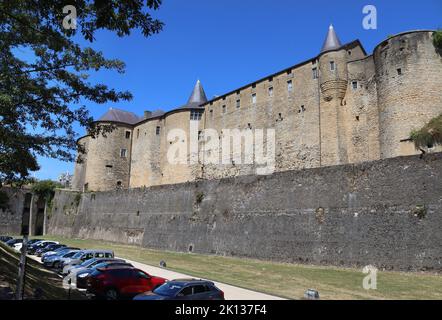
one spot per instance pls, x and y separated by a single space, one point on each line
401 34
344 46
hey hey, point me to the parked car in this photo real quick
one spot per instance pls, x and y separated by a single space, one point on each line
57 252
55 261
32 241
90 264
47 248
5 238
184 289
120 282
81 275
38 245
12 242
84 255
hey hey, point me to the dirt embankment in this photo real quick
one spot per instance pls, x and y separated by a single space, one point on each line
40 283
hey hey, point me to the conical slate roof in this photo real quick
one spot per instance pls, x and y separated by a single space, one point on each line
332 41
197 98
118 115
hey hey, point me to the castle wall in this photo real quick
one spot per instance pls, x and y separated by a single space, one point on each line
105 165
410 99
378 213
360 112
146 153
79 178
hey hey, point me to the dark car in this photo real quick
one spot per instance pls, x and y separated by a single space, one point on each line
5 238
120 282
58 251
11 242
50 247
84 273
32 241
184 289
32 249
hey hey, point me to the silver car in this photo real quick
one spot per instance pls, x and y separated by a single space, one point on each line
84 255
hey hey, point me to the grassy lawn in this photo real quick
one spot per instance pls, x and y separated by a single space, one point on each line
281 279
36 277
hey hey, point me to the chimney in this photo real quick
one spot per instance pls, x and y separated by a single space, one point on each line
147 114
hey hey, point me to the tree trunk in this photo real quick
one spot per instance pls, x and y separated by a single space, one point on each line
31 209
45 217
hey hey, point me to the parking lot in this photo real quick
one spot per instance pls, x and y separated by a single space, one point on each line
99 274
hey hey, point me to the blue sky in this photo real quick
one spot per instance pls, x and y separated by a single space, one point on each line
228 43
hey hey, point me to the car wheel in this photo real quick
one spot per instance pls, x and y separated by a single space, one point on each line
111 294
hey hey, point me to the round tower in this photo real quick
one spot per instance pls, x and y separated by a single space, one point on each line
408 80
333 85
108 157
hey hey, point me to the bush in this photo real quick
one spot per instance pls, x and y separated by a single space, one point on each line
430 135
437 40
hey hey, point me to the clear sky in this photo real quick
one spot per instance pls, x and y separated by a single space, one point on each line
229 43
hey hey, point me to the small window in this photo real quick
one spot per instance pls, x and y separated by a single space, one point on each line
254 98
289 86
271 92
289 71
315 73
238 103
138 133
157 131
127 134
270 79
349 52
195 115
332 66
399 71
354 85
123 153
254 85
211 114
224 108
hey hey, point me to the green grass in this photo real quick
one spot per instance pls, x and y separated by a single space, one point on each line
36 277
281 279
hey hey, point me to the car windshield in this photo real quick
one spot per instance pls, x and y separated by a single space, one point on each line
88 262
78 255
169 289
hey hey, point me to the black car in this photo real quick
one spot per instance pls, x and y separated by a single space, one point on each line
48 248
5 238
32 249
11 242
184 289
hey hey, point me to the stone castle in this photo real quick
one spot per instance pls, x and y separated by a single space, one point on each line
340 107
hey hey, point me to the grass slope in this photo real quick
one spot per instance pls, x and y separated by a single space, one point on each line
36 277
281 279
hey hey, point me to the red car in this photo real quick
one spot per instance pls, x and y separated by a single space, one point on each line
118 282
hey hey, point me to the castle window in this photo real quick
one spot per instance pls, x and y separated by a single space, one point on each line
315 73
224 109
399 71
123 153
138 133
271 92
195 115
254 85
354 85
349 52
332 66
270 79
211 114
289 86
238 103
127 134
254 98
289 71
157 131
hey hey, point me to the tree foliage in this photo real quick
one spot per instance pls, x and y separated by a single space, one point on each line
44 75
45 189
437 40
428 136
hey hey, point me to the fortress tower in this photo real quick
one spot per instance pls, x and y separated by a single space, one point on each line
342 106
